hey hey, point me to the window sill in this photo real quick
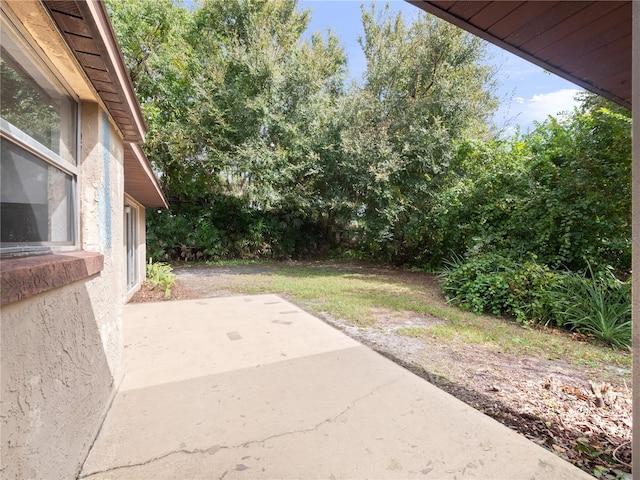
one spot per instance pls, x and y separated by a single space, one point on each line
24 277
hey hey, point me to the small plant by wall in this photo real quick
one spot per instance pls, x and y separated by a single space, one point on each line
161 275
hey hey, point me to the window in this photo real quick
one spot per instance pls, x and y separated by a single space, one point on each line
131 244
38 169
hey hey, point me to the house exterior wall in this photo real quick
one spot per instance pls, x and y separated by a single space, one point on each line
101 222
61 349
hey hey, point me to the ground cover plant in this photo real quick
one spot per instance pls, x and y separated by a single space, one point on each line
159 274
544 383
593 303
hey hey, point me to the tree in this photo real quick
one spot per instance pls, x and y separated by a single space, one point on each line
560 194
238 104
424 89
163 68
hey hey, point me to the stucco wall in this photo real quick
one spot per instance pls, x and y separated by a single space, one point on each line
62 350
56 382
101 222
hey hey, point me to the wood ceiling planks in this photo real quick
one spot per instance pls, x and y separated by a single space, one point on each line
586 42
86 45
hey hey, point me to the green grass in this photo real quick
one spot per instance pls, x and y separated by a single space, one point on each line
358 295
414 332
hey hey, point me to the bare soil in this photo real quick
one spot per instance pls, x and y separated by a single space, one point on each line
581 414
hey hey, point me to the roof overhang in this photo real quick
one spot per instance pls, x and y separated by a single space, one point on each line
86 28
139 179
587 43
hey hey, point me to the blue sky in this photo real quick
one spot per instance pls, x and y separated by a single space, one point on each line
527 93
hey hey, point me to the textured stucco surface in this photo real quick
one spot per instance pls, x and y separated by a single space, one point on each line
62 350
55 382
102 230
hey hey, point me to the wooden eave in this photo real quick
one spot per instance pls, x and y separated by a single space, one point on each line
86 29
587 43
138 173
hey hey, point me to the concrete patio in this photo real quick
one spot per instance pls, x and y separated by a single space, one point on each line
254 387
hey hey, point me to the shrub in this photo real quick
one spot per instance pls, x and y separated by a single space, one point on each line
160 274
596 304
495 284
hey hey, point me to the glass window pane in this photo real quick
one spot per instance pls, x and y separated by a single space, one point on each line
36 199
32 102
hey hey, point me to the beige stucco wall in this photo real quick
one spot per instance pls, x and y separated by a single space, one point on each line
101 222
62 350
56 382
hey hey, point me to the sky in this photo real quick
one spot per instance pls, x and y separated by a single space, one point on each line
527 93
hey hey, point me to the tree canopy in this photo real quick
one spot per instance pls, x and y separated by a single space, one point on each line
264 150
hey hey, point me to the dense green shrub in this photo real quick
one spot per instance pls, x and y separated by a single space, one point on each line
596 304
560 194
495 284
224 227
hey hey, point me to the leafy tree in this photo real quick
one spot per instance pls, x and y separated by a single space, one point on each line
560 194
238 105
163 68
425 88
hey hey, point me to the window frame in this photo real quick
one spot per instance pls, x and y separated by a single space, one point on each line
69 166
132 251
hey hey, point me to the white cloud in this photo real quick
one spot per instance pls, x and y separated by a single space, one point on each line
524 111
539 106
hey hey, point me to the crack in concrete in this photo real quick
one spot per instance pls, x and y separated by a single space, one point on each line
327 420
215 448
211 451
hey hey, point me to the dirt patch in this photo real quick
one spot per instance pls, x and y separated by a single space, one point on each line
567 409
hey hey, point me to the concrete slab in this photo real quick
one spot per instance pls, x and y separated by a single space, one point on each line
254 387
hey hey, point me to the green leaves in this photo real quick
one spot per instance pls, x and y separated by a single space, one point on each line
263 151
160 274
424 89
598 305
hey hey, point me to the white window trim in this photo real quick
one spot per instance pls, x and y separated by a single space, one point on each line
17 136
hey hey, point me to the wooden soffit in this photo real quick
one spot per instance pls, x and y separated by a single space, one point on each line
139 180
587 43
86 28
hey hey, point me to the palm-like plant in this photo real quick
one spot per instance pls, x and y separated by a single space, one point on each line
598 306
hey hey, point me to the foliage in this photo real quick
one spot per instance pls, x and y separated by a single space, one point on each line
491 283
424 88
160 274
514 196
228 229
596 304
28 108
263 152
241 105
